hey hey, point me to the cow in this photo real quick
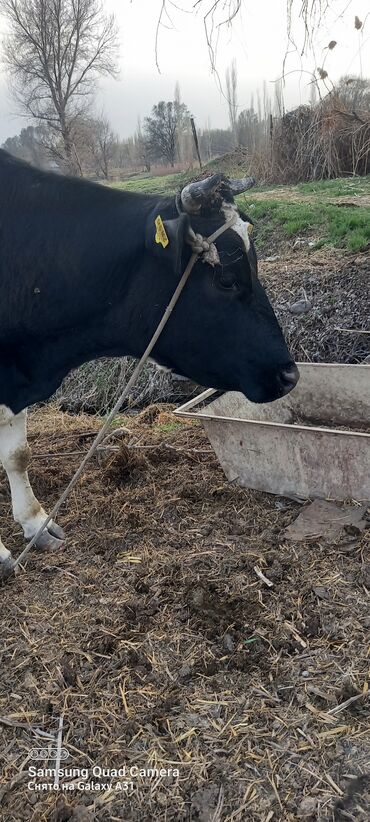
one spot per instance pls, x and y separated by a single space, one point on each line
87 271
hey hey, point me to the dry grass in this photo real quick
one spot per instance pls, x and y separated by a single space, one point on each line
96 386
154 637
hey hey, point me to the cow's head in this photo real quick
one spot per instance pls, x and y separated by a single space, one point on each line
223 332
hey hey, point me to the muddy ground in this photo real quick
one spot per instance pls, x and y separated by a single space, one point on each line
154 638
336 287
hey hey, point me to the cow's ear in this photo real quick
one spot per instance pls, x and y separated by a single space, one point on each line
166 238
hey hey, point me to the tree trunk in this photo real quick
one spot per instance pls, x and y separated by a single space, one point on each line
73 166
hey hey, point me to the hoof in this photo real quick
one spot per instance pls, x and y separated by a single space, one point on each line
48 542
6 568
56 530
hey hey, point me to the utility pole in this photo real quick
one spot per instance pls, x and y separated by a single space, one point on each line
196 143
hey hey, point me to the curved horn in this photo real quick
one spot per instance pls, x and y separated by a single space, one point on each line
195 195
238 186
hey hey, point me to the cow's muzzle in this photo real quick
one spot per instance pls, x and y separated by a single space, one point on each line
287 378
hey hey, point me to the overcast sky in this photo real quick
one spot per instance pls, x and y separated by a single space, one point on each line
257 40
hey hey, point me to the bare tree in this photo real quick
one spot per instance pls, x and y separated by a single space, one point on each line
266 112
216 15
142 147
95 146
214 142
279 98
180 130
29 145
232 97
162 129
54 52
102 143
249 129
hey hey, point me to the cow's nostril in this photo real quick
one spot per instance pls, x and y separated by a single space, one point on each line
288 377
290 374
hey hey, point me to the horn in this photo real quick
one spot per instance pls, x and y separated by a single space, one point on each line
238 186
195 195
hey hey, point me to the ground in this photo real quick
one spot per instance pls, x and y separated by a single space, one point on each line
155 639
335 284
151 633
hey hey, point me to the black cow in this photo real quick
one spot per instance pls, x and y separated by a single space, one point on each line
87 271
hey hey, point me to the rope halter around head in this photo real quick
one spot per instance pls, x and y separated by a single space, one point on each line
205 247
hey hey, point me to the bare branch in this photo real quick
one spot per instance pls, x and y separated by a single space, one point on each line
54 52
218 14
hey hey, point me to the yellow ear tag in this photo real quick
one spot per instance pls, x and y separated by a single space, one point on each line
250 228
161 236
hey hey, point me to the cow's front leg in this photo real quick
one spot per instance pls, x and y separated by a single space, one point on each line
14 455
6 561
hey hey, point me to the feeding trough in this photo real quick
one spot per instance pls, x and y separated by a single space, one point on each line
312 443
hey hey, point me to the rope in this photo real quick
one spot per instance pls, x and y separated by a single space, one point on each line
100 436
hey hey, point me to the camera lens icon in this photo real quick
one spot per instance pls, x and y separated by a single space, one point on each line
48 753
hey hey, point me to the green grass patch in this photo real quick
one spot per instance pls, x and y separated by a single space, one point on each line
343 227
145 184
167 427
342 187
150 185
120 421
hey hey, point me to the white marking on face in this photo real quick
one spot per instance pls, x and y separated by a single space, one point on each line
241 228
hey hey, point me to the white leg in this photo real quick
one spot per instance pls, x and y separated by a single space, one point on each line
14 455
6 562
5 557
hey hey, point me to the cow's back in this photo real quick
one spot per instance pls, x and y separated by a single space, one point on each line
65 246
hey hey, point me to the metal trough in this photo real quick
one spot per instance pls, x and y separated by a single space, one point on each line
295 446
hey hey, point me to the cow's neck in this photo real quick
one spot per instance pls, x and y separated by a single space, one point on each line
39 367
